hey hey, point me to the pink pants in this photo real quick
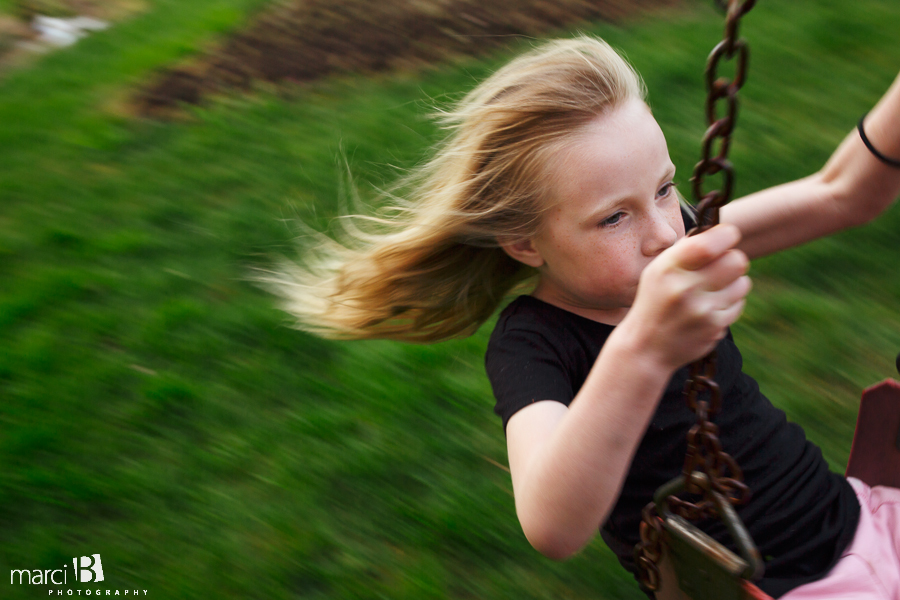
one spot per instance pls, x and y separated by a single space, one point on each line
870 567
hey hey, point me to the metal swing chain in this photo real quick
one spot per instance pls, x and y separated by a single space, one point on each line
704 452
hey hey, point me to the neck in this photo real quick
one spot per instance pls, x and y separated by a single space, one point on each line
607 316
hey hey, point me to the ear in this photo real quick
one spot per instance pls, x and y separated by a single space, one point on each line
522 250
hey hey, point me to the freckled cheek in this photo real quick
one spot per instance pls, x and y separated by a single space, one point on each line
601 266
608 255
612 264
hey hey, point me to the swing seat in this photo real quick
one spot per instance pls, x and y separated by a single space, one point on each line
875 454
693 566
740 587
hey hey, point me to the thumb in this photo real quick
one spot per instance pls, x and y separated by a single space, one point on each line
697 251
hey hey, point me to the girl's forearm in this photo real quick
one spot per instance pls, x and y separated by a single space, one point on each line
882 124
570 485
863 184
852 188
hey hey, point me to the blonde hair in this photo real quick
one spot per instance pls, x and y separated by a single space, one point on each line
430 267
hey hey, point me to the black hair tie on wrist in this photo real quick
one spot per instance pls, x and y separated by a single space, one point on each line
886 160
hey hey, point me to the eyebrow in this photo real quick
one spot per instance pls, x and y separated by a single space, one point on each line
610 205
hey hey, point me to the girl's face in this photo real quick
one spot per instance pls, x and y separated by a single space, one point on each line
616 210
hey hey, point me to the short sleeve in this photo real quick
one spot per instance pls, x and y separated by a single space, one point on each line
524 367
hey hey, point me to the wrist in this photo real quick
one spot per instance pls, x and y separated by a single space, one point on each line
642 348
887 160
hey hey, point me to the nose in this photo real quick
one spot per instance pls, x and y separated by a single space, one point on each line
659 232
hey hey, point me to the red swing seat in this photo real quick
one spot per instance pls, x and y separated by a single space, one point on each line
875 454
874 459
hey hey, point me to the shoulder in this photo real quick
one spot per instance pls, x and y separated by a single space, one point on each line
529 324
538 351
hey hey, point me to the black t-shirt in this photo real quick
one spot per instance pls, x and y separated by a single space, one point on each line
800 515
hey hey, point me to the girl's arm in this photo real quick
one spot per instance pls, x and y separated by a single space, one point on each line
853 188
568 464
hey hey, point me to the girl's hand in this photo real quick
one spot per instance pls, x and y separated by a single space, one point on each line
689 295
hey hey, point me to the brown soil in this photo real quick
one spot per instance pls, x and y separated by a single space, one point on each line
303 40
108 10
15 29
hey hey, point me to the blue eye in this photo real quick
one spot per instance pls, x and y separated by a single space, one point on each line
611 220
666 190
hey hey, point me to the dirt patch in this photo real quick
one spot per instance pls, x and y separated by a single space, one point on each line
307 39
107 10
19 41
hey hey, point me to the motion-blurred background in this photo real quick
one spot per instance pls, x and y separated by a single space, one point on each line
157 409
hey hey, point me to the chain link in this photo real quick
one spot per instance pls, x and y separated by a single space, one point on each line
649 550
704 451
721 91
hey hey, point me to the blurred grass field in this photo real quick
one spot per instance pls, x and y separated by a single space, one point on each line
156 408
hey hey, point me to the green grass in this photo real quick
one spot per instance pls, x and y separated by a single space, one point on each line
158 410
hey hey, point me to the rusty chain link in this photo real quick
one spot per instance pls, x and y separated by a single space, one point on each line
649 550
721 90
704 451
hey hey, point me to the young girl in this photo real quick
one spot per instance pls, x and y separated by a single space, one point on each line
556 173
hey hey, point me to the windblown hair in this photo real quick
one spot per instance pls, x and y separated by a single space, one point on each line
433 268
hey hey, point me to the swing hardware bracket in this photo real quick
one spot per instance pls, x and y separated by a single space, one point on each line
709 569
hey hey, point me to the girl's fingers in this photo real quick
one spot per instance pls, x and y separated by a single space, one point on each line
700 250
723 271
732 294
729 315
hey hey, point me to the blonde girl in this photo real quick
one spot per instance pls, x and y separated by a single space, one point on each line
555 175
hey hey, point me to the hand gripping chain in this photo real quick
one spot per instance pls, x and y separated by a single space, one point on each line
704 451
